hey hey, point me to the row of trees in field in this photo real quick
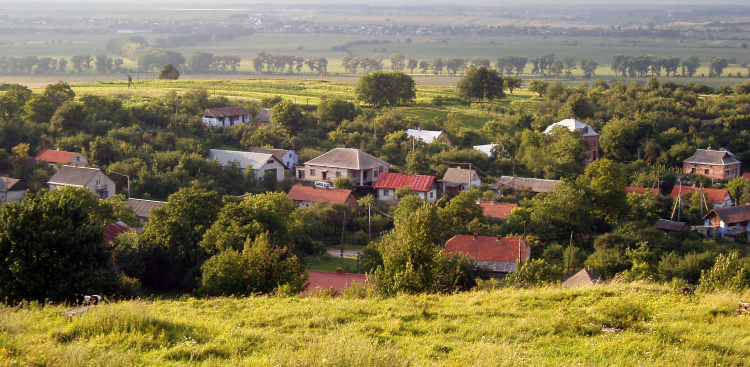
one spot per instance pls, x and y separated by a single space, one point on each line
288 64
102 64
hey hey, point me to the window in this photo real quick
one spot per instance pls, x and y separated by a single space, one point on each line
386 192
432 194
312 172
692 170
338 174
364 174
705 171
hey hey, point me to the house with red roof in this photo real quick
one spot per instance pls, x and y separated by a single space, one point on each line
496 210
318 280
307 196
424 186
714 164
642 191
60 157
715 198
112 230
496 254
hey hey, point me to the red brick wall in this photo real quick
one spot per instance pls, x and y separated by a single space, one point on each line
714 171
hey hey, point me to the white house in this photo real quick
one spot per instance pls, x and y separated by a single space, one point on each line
728 222
92 179
226 116
11 189
487 149
427 136
424 186
359 167
457 179
260 162
288 157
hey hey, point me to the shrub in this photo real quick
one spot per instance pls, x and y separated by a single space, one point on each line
534 273
726 274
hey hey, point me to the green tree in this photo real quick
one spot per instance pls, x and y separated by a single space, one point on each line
288 115
69 118
200 62
260 268
512 83
606 180
481 83
398 62
690 65
343 183
717 66
538 86
386 89
13 100
52 246
533 273
588 66
336 109
169 72
728 273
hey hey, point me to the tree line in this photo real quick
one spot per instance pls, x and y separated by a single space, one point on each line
287 64
27 65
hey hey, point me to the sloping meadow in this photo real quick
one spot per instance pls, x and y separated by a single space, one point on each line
618 325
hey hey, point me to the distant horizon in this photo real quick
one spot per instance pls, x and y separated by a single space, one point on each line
386 3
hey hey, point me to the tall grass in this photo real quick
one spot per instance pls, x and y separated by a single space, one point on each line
616 325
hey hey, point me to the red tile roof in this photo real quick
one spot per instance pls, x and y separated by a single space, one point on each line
482 248
641 190
316 194
55 156
497 210
421 183
746 176
112 230
318 279
713 196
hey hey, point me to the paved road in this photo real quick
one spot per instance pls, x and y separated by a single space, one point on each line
347 253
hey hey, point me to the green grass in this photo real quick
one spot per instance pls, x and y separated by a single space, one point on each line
328 262
534 327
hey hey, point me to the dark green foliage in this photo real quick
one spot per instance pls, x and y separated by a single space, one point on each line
336 110
533 273
481 83
381 89
52 247
169 72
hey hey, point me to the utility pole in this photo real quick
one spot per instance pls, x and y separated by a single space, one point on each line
127 177
343 224
570 251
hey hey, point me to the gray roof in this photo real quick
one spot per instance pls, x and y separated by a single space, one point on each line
535 184
582 278
426 136
222 112
254 160
712 157
573 125
496 266
672 226
11 184
278 153
142 207
458 176
73 176
264 115
348 158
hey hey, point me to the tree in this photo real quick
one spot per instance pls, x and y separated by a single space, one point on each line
411 65
539 86
200 62
690 65
260 268
343 183
588 66
52 246
287 114
717 66
512 82
169 72
480 83
398 62
336 109
69 118
386 89
570 65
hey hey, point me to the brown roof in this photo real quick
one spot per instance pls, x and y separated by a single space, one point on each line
711 157
421 183
142 207
713 196
671 226
278 153
73 176
222 112
483 248
458 176
731 215
582 278
55 156
348 158
535 184
112 230
497 210
641 190
264 115
12 184
318 279
316 194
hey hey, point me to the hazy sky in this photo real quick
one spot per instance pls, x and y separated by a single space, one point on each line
235 3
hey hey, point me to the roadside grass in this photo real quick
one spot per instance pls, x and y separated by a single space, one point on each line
649 324
328 262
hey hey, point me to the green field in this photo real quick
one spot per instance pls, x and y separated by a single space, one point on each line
616 325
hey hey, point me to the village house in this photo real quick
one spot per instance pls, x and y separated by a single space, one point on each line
496 210
92 179
587 133
714 164
338 281
424 186
12 189
458 179
642 191
670 226
307 196
428 136
486 149
728 223
359 167
225 116
288 157
113 230
261 163
715 198
583 278
496 254
142 207
263 118
536 185
60 157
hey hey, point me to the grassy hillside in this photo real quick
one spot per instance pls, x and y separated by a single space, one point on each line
538 327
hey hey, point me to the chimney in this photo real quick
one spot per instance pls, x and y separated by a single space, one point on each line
476 236
492 202
499 239
339 271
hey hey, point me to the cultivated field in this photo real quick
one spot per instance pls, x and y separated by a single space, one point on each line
618 325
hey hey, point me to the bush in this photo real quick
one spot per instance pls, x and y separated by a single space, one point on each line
534 273
726 274
129 287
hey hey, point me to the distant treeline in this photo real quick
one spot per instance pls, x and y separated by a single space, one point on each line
277 64
346 46
26 65
193 39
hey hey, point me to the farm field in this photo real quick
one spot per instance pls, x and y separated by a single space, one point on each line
610 325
